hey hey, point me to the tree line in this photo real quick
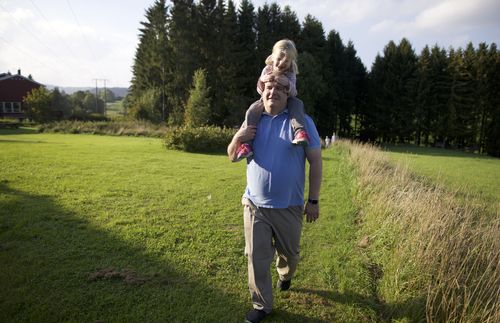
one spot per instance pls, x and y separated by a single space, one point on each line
439 97
43 105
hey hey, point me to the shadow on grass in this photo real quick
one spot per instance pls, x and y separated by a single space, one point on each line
19 131
57 266
387 312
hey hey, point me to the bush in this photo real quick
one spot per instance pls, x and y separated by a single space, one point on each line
203 139
82 116
117 128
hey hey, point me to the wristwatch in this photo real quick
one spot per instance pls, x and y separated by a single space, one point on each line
312 201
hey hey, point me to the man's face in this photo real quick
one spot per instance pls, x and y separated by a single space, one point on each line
274 95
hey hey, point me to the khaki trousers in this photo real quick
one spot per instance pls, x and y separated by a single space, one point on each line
269 232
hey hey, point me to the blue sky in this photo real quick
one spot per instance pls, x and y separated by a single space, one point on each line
70 43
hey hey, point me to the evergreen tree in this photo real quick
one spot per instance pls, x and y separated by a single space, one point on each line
334 75
185 56
234 102
311 83
152 63
289 25
422 122
264 33
197 112
461 100
354 89
249 69
492 131
407 72
440 85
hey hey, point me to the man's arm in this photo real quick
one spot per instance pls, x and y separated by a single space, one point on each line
244 134
315 174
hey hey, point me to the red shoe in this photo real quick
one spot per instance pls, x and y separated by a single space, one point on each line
243 151
301 138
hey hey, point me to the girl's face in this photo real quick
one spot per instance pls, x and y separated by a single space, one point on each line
281 63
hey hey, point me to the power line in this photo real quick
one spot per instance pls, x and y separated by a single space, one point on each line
80 29
55 31
27 54
33 35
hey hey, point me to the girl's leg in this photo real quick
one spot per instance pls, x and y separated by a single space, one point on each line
296 111
254 113
252 118
297 119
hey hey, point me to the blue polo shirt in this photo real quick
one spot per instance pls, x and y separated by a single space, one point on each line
276 171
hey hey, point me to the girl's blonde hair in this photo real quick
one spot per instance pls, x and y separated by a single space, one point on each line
287 47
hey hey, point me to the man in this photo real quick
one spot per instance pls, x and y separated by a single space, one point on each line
274 197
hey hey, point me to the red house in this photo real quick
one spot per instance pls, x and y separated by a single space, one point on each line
13 88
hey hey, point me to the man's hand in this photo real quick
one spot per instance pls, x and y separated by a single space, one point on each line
312 212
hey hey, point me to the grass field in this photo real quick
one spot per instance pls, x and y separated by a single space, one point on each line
114 109
120 229
467 173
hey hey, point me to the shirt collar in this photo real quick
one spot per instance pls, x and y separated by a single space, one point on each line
267 114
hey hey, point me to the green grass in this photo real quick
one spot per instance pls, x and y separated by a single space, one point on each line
114 109
464 172
121 229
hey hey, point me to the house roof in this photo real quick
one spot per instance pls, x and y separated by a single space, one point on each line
6 76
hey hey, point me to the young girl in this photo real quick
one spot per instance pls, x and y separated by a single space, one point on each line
282 61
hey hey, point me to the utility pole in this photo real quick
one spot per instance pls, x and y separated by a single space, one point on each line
105 96
96 111
162 93
104 108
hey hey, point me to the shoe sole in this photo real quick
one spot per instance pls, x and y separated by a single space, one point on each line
300 143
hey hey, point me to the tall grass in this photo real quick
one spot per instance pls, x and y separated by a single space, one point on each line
437 253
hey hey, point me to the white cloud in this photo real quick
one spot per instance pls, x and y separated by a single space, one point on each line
461 14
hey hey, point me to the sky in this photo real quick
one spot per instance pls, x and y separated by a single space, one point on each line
73 43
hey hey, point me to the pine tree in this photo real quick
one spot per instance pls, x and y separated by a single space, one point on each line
406 74
334 75
350 90
461 100
264 33
311 84
289 25
197 112
440 90
249 69
234 104
492 131
182 26
152 63
422 104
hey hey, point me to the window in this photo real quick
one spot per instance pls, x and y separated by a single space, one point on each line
16 106
8 107
2 106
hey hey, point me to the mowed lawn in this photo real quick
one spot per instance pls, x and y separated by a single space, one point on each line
470 174
119 229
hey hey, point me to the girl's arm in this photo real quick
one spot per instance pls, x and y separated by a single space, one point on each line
267 70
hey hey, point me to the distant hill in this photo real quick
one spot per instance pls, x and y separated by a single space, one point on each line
118 91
